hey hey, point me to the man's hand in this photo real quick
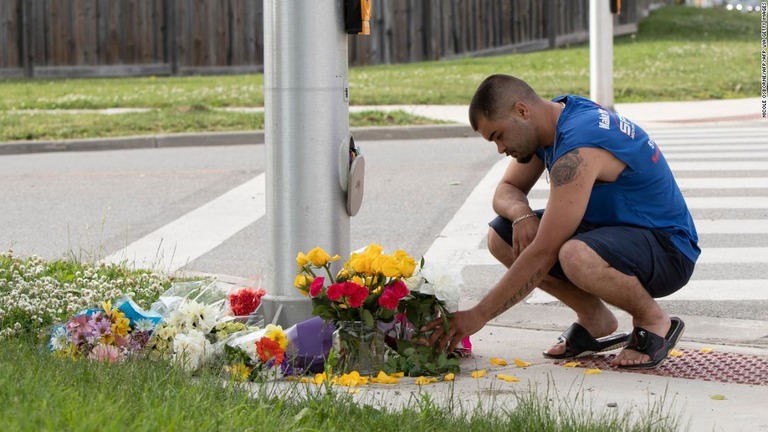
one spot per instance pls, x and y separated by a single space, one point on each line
523 234
460 325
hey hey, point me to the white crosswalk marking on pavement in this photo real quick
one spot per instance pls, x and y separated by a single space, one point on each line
738 161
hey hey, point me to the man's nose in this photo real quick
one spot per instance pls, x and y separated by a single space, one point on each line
500 147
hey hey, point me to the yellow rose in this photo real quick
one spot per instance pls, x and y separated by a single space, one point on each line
302 259
373 249
318 257
388 266
360 263
302 282
405 263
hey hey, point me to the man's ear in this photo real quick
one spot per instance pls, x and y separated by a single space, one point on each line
521 109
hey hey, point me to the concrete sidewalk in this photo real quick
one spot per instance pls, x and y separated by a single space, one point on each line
649 115
702 404
722 390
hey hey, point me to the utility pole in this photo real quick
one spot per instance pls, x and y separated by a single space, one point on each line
306 125
601 53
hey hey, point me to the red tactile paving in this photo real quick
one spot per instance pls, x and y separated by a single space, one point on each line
713 366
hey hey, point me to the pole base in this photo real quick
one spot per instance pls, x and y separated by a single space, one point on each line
286 311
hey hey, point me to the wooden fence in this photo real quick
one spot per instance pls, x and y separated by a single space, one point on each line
74 38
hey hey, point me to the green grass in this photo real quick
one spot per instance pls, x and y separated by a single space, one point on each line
18 126
39 392
679 53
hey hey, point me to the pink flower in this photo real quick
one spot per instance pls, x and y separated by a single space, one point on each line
107 353
80 329
335 291
316 288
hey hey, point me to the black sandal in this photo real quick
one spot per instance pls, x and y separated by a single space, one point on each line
579 343
653 345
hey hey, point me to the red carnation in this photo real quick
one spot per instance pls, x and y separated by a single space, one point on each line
335 291
388 300
245 301
356 294
398 289
316 288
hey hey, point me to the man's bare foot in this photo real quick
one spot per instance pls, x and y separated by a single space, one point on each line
596 327
628 357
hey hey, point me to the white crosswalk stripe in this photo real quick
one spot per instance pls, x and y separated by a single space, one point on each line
719 169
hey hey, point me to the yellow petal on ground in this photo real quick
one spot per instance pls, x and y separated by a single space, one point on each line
383 378
706 350
498 361
397 374
507 378
594 371
717 397
449 377
521 363
478 373
422 380
353 391
571 364
319 378
352 379
676 353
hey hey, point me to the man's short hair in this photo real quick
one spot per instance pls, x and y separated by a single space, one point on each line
496 95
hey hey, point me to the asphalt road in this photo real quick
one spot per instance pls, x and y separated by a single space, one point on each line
89 205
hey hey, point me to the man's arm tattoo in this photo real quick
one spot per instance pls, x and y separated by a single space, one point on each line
520 295
566 168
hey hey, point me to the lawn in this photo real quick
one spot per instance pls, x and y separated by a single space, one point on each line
43 391
679 53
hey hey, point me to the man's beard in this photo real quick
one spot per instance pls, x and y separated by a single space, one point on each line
524 159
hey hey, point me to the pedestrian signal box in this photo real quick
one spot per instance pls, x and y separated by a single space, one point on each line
357 16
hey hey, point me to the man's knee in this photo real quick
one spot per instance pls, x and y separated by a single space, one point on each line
575 256
499 248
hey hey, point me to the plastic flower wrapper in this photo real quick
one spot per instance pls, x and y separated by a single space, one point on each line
173 297
207 292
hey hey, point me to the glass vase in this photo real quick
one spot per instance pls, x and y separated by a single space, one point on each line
360 347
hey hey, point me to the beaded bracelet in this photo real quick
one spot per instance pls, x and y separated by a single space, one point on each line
514 222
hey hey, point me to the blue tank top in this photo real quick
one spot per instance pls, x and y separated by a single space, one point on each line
645 194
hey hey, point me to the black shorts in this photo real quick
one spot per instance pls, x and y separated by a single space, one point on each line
645 253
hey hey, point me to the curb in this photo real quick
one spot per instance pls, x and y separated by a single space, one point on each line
224 139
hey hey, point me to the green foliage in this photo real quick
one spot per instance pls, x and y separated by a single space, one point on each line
415 357
39 392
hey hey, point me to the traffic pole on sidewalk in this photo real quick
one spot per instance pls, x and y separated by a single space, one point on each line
306 127
601 52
